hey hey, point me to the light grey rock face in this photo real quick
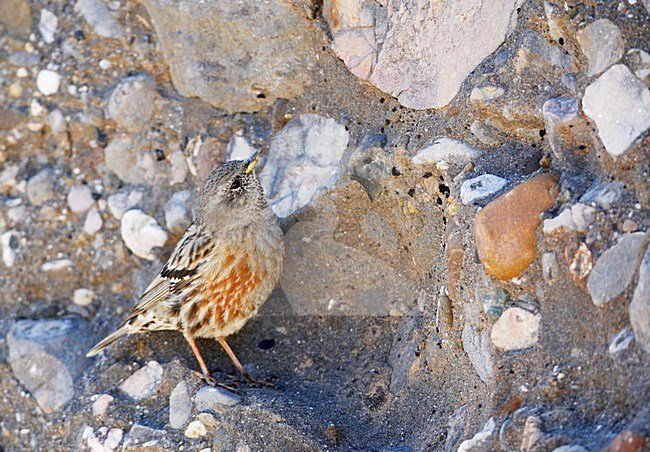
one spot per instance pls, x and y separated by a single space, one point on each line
303 161
480 187
47 25
131 104
639 61
80 198
620 105
622 340
39 186
577 218
47 355
604 194
141 438
482 441
615 268
418 51
132 166
180 406
177 213
210 398
141 234
558 113
479 351
99 18
602 43
371 165
144 382
122 201
640 306
536 51
241 56
446 149
516 329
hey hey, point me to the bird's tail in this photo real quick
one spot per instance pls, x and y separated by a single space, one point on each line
108 340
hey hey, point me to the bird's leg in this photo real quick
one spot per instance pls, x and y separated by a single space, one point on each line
241 368
205 375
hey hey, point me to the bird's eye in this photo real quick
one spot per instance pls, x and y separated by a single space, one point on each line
236 184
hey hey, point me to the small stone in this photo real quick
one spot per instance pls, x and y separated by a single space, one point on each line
550 268
144 382
93 223
210 398
40 187
559 114
602 43
125 200
57 265
536 51
80 198
485 94
493 300
104 65
604 194
124 160
48 82
101 404
640 305
621 341
180 405
516 329
99 18
532 434
143 438
179 168
47 25
131 104
571 448
303 161
482 441
196 429
8 177
615 268
177 213
104 439
639 61
507 242
10 245
480 187
479 351
57 122
371 165
83 297
485 132
577 218
47 355
619 104
629 225
141 234
629 441
448 150
239 148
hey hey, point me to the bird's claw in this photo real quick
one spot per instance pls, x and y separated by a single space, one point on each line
209 379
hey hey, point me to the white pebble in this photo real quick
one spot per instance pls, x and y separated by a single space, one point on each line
83 297
141 233
47 25
144 382
94 222
101 404
80 198
105 64
22 72
9 248
57 265
48 82
196 429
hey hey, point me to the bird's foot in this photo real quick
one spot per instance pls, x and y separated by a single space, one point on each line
209 379
266 383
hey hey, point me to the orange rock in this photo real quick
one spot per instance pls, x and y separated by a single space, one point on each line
505 229
628 441
455 251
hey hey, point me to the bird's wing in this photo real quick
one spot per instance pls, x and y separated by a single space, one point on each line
190 252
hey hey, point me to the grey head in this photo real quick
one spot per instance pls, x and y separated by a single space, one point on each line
232 197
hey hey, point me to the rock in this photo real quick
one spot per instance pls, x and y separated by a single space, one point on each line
179 168
371 165
8 176
577 218
244 58
303 161
485 94
507 243
446 149
639 62
516 329
125 200
418 52
104 439
57 121
604 194
143 438
479 351
571 448
536 51
131 104
480 187
177 213
239 148
559 114
482 441
48 82
57 265
99 18
210 398
125 161
640 305
602 43
619 104
141 234
46 356
80 198
101 404
40 187
196 429
93 223
629 441
83 297
550 268
23 58
493 299
16 17
180 405
380 231
144 382
485 132
10 244
47 25
621 341
615 268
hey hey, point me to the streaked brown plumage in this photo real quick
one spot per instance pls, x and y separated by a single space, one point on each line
222 270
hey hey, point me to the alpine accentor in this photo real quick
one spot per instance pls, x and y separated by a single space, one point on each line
222 270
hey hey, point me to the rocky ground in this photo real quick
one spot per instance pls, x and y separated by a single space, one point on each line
463 187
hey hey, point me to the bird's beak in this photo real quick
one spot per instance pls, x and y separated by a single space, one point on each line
252 161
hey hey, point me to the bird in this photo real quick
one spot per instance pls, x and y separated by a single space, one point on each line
221 271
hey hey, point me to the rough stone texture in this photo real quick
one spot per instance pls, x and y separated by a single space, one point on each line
213 399
640 305
303 161
144 382
537 52
371 165
506 245
131 104
17 17
80 198
480 187
122 201
559 116
602 43
238 57
39 186
619 104
516 329
604 194
99 18
143 438
124 160
446 149
615 268
180 405
46 356
141 233
478 349
419 52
